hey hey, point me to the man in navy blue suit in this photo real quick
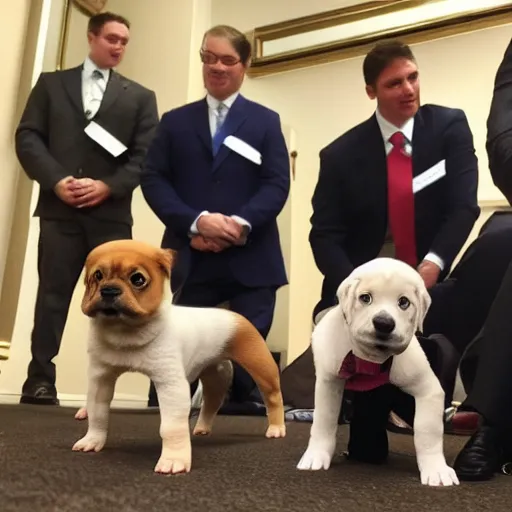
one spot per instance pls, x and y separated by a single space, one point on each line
217 175
404 184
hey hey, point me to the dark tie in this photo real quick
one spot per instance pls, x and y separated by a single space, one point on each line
401 201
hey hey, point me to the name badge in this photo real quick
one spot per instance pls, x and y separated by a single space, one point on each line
242 148
426 178
105 139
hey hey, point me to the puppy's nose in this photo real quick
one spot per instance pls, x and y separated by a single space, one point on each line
383 324
110 292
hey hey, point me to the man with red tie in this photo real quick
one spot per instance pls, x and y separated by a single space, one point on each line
404 184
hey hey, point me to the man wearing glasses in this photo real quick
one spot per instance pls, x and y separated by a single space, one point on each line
217 175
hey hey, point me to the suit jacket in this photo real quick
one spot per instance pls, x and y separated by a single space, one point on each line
51 143
350 216
499 127
182 178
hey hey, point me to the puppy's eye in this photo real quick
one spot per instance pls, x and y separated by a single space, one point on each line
365 298
138 280
98 275
403 303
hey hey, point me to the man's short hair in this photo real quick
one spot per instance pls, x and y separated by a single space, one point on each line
97 21
237 39
381 56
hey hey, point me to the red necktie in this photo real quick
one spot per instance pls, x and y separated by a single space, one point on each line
401 201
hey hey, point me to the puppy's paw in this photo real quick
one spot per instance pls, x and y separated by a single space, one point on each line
202 429
276 431
81 414
173 465
90 442
438 473
315 459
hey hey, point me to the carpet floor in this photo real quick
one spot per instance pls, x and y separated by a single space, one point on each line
235 469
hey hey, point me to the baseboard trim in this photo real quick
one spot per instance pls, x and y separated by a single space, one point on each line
121 401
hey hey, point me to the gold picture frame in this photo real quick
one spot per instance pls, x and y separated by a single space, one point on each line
416 30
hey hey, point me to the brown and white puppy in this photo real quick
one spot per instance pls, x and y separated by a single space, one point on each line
134 327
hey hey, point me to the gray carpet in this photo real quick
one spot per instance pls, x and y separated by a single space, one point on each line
236 469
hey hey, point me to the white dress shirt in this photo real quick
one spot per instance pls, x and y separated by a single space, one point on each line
213 105
93 88
387 129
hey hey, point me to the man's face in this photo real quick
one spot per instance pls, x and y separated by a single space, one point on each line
107 48
397 91
223 72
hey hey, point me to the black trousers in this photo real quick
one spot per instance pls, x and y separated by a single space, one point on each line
255 304
487 365
470 305
62 251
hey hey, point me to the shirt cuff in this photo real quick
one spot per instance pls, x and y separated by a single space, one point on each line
193 228
434 258
241 221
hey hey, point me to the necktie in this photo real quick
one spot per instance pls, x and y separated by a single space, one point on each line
362 375
220 114
96 91
401 201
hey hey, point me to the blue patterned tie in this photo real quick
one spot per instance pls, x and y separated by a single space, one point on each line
220 113
220 117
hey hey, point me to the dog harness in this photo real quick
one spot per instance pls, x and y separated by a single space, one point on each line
362 375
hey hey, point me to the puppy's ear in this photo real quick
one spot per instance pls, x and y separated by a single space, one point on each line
346 296
422 306
166 259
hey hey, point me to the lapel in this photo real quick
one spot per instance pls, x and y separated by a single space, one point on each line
419 146
236 117
115 87
375 156
72 79
202 124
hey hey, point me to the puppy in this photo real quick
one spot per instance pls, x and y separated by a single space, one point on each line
381 305
134 328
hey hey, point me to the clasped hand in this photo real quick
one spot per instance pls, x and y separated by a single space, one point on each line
82 192
217 232
429 272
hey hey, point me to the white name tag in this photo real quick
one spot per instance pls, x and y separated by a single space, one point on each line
426 178
105 139
242 148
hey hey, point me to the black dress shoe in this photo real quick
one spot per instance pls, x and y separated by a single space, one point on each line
39 394
481 456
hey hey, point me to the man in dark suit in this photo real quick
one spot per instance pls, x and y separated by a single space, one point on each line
499 127
217 175
486 365
404 184
86 182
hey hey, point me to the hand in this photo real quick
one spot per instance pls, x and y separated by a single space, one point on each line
216 225
65 192
200 243
429 272
89 192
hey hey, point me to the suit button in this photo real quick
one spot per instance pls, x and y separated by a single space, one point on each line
217 182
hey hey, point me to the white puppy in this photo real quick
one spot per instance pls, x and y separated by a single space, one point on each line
381 306
133 328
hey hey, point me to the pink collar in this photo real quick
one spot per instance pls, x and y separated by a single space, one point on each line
362 375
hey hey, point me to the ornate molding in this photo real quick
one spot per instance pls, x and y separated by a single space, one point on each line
283 46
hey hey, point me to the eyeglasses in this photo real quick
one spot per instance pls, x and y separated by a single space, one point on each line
211 58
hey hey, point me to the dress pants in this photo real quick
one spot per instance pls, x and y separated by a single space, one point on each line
463 306
62 250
